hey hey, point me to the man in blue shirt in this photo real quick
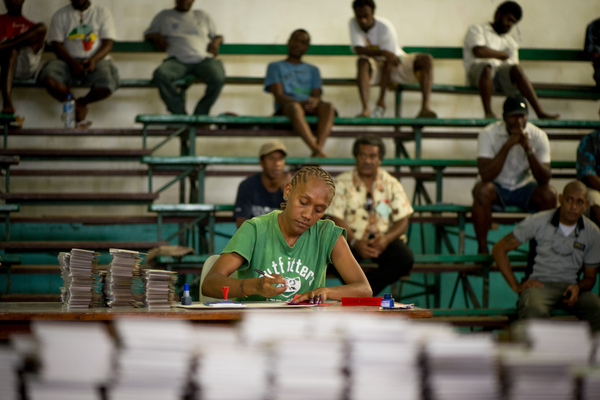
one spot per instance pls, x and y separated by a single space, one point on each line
262 193
296 87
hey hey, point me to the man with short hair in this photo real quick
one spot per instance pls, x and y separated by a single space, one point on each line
21 44
262 193
373 208
588 171
192 43
82 36
567 242
296 87
491 60
513 160
382 61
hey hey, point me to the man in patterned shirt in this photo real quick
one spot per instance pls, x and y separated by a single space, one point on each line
588 171
373 208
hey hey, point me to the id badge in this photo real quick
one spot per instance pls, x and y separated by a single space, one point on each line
383 209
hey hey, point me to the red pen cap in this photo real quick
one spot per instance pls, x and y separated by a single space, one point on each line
225 291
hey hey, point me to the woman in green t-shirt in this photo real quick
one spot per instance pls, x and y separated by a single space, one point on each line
293 247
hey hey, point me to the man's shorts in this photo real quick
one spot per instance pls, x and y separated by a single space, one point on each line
27 63
403 73
500 76
519 197
104 76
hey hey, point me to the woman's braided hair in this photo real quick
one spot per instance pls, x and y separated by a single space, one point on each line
307 172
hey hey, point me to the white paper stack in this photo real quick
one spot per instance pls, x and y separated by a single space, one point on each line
590 384
79 270
548 337
76 358
9 362
155 359
383 359
462 367
159 288
308 369
122 272
259 328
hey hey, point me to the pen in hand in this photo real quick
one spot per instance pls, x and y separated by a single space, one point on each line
263 273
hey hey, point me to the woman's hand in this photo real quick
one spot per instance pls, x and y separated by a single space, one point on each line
315 296
266 286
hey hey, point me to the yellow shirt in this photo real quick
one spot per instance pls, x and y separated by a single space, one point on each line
389 203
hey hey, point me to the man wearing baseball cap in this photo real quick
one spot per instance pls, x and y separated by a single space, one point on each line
262 193
513 160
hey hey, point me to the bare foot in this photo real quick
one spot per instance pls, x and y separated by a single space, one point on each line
548 116
81 111
318 154
8 109
364 114
427 113
490 115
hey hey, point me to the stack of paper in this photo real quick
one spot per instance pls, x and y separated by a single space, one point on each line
159 288
548 337
462 367
79 270
155 360
233 373
383 359
590 384
308 369
75 359
532 376
119 285
8 373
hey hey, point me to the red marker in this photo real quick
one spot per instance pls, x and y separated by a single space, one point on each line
225 291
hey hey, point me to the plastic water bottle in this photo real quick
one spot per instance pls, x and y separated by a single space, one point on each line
68 115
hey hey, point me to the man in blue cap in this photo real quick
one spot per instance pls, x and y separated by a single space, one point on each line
513 160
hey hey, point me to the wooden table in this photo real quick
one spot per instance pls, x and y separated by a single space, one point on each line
16 317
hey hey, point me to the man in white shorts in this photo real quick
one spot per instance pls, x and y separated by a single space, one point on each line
381 60
21 44
491 60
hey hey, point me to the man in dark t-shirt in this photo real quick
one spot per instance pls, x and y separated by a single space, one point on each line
262 193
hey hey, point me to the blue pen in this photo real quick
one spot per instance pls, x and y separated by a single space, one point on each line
263 273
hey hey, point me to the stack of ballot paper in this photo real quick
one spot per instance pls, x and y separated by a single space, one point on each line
159 288
122 273
8 373
462 367
548 337
79 271
75 360
382 359
155 359
308 369
530 376
590 383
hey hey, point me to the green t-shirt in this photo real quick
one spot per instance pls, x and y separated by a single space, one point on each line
260 242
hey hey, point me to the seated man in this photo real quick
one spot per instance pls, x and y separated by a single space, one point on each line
567 242
296 87
382 60
588 171
192 44
592 48
491 60
262 193
373 208
82 36
513 160
21 44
